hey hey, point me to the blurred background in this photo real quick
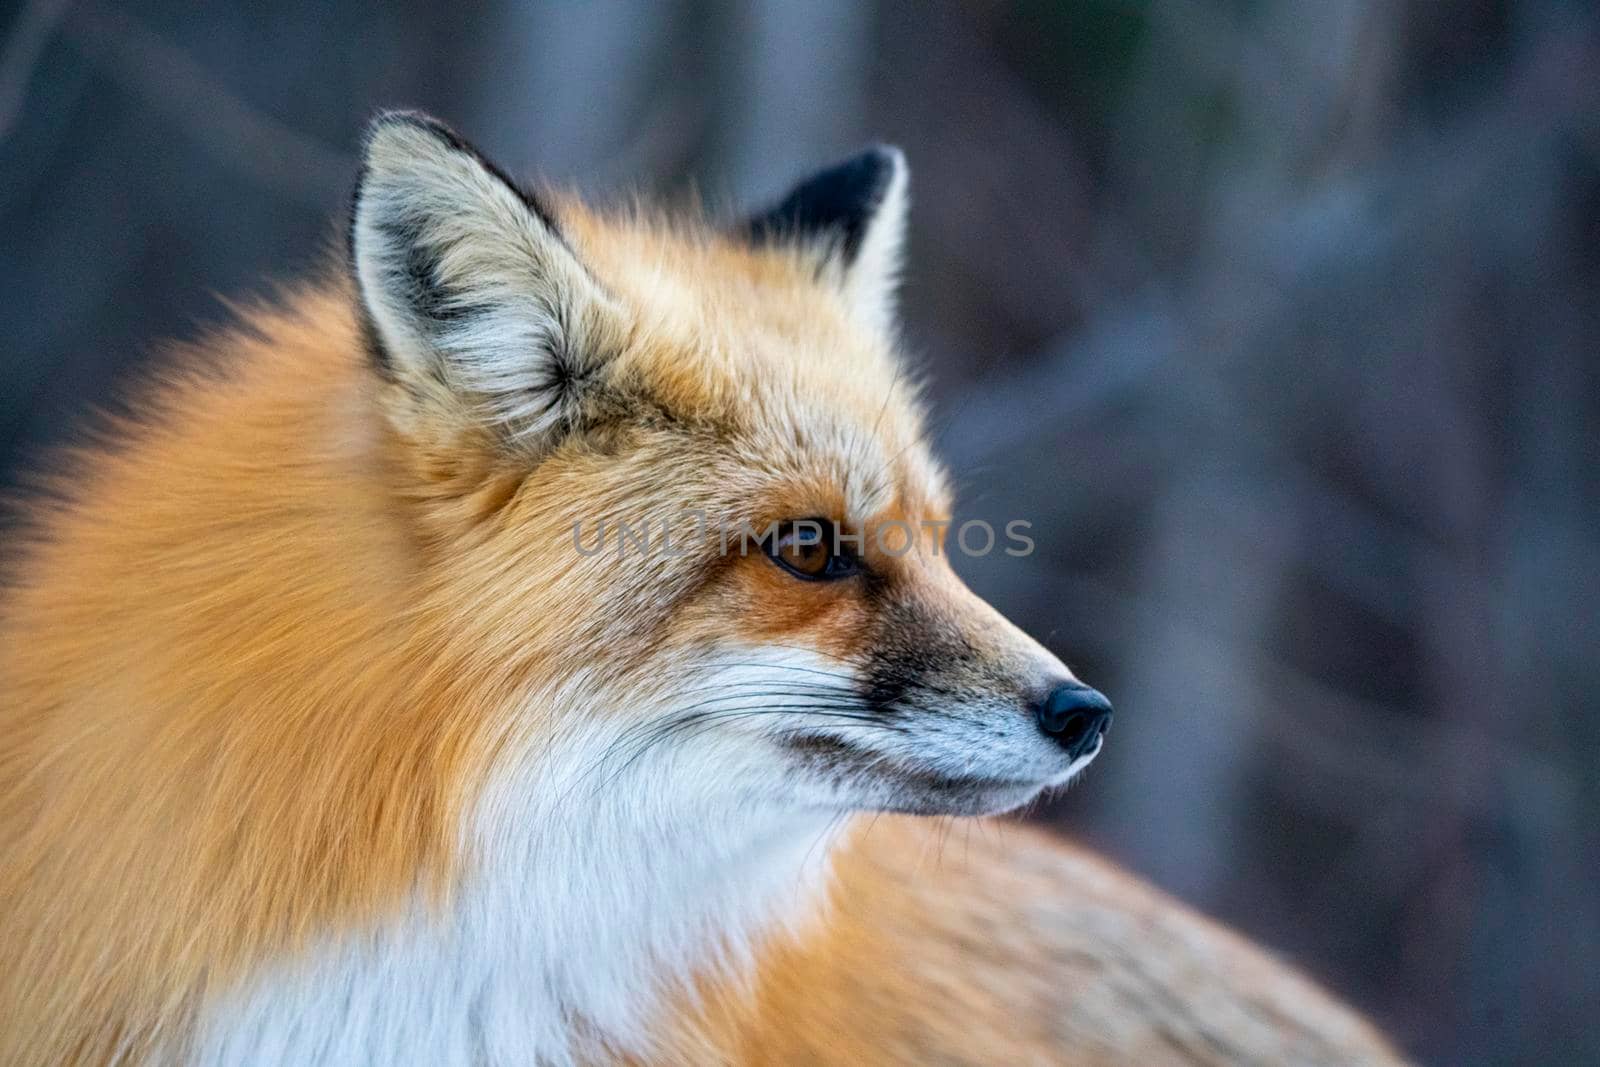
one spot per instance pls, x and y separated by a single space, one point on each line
1279 319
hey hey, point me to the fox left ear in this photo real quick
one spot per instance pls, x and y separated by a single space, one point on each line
474 300
852 217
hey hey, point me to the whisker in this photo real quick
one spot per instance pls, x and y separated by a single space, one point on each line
700 668
657 732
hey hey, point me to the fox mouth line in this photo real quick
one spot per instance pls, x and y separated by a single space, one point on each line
922 792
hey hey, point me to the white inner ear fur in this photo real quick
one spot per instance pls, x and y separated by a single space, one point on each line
471 294
871 283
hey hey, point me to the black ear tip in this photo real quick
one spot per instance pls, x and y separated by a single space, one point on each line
869 172
840 200
887 157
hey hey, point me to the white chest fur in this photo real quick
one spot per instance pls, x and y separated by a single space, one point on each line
588 904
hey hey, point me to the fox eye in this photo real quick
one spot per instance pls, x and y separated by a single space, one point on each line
810 549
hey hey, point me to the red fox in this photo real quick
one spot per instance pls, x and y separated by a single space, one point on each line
336 728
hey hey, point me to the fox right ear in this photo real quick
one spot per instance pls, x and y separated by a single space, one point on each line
473 299
851 218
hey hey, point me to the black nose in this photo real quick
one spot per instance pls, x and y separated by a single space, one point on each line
1075 716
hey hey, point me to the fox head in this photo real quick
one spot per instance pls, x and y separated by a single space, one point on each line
675 494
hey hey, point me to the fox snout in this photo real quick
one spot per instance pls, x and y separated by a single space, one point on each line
969 714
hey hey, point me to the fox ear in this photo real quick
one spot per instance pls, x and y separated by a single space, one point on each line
473 299
852 217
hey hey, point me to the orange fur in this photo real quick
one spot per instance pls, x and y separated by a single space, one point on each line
307 776
992 943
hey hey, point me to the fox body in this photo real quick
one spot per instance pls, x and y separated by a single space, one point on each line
323 742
